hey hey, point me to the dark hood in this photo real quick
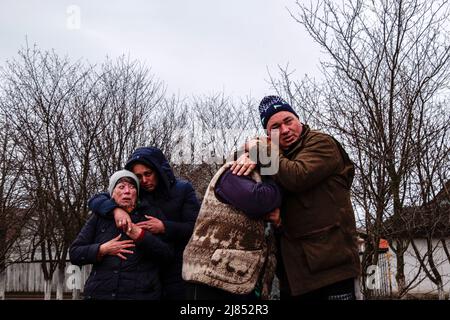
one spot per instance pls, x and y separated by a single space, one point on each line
155 159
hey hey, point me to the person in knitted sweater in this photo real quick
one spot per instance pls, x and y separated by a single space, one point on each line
231 253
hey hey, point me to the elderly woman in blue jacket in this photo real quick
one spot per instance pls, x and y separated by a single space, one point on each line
126 264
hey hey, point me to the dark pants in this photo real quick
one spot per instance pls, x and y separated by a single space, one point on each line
175 291
203 292
342 290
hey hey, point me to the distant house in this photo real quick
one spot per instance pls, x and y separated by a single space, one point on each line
428 227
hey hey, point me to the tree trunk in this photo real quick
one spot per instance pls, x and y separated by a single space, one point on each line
2 283
60 284
73 281
75 294
47 289
358 289
401 283
441 292
400 276
2 256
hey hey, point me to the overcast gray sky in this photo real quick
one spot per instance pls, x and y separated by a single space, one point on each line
195 46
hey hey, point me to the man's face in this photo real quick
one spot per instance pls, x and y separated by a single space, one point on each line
288 126
147 177
125 195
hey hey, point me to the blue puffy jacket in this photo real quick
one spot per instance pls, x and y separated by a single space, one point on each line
176 200
136 278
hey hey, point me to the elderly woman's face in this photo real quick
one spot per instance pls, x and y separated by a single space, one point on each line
125 195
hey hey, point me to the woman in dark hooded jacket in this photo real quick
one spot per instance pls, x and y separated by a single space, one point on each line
171 197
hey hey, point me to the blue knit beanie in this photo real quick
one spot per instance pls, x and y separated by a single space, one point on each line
270 105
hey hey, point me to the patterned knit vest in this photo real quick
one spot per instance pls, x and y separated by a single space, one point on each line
228 250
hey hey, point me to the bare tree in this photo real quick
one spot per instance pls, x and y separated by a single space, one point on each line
224 125
168 122
216 127
40 87
72 127
14 213
128 93
431 210
387 67
305 95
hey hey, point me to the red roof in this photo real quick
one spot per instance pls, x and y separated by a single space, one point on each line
384 244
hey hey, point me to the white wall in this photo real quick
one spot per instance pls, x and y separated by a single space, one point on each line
412 267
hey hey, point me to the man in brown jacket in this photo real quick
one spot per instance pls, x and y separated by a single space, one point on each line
319 254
